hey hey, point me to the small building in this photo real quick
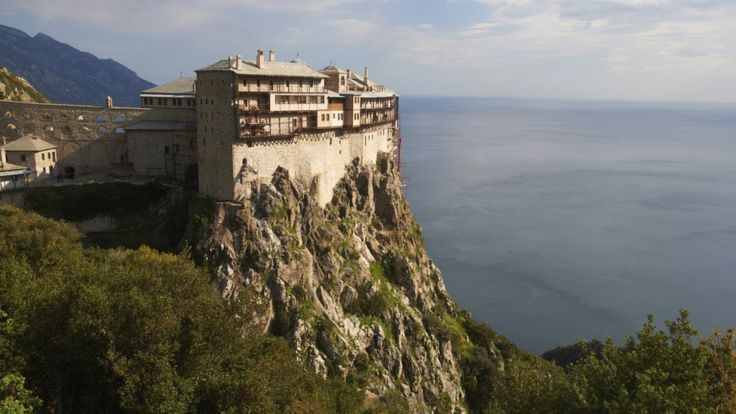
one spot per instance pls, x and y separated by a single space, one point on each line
11 176
32 153
177 94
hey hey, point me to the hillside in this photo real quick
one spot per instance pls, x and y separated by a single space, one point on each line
15 88
347 291
65 74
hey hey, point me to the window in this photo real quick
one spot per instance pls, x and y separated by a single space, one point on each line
321 99
44 170
313 99
53 154
300 84
258 83
166 149
342 80
23 157
302 99
271 84
43 156
287 84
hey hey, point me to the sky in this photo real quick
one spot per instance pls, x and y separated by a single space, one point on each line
651 50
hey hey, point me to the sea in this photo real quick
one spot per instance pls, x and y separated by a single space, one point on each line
559 220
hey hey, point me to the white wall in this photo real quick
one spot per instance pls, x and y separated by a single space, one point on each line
321 157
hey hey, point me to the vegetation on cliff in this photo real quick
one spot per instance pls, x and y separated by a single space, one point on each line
346 291
15 88
88 330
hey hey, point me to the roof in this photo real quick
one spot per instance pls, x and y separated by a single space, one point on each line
7 169
333 69
181 86
28 143
378 94
152 125
277 69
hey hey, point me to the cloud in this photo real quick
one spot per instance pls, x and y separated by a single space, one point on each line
513 47
164 15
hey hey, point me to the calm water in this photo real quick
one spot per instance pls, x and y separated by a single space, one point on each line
559 220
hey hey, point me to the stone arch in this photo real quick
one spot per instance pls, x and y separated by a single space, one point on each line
70 149
119 131
102 130
101 118
67 132
47 116
120 119
69 172
8 114
10 127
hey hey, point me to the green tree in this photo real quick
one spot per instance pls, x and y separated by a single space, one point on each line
135 331
655 372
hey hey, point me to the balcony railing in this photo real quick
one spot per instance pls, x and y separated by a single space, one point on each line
266 88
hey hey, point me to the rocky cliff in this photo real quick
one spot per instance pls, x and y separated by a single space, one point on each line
350 285
15 88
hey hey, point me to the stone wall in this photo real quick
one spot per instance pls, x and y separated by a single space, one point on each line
216 130
88 138
162 153
318 160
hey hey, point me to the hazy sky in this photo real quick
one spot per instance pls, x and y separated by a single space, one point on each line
613 49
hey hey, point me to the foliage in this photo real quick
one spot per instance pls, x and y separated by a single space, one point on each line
654 372
657 372
134 331
15 89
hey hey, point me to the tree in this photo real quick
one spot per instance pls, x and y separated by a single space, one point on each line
134 331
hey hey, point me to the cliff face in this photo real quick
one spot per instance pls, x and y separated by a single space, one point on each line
350 285
15 88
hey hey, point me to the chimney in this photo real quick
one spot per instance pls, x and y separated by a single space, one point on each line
365 76
350 74
229 61
237 61
260 58
271 56
108 102
2 154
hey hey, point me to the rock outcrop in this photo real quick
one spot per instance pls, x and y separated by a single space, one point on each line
15 88
349 285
